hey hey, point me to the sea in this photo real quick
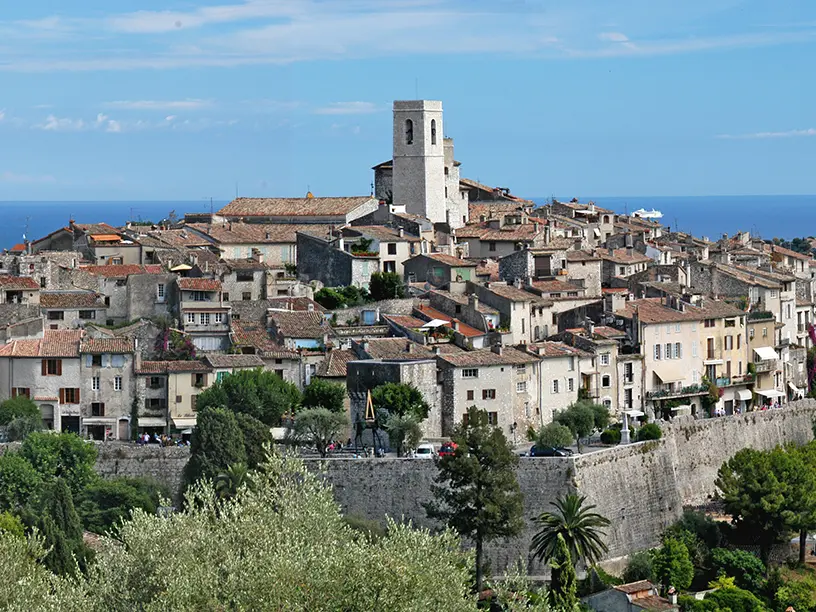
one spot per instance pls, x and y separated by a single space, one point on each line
768 216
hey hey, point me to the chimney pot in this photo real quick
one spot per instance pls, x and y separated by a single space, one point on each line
401 232
496 348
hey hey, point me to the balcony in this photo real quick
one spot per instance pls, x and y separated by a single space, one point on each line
768 365
725 381
713 356
213 303
671 390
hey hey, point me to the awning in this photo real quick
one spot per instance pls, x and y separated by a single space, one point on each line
766 353
744 394
436 323
669 378
152 422
634 413
796 390
180 423
770 393
99 421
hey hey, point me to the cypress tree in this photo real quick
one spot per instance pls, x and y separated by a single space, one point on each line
563 585
217 444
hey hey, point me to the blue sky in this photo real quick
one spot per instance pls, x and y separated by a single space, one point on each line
185 100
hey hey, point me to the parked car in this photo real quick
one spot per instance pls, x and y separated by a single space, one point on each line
448 448
425 451
549 451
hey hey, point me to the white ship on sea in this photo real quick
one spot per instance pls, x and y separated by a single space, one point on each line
648 214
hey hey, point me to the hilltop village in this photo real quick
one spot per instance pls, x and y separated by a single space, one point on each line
468 292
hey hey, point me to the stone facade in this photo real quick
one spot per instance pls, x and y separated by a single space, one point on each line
322 261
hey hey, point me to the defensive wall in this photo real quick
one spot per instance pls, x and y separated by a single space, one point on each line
642 488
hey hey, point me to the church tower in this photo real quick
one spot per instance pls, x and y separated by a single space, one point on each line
419 159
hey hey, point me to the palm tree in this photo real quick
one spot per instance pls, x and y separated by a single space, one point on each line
227 483
581 528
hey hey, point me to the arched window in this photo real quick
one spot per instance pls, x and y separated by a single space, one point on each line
433 131
409 132
606 219
606 381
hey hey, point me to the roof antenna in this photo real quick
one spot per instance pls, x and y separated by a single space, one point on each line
416 88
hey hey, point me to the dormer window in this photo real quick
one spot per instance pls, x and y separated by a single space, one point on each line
409 132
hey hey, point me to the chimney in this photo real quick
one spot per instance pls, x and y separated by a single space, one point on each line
310 307
535 227
401 232
630 251
364 344
454 324
473 301
137 355
611 251
547 234
579 243
517 283
408 347
628 239
229 227
267 235
436 350
496 348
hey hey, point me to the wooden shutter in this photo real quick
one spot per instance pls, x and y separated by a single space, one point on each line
44 367
76 396
14 392
192 379
59 367
62 396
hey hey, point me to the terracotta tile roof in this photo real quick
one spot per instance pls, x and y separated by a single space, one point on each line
95 228
258 233
54 343
244 264
18 248
548 349
179 238
581 256
652 310
107 345
406 321
294 303
488 268
199 284
552 286
11 283
513 293
122 271
524 232
293 207
449 260
622 256
461 298
486 357
582 206
70 300
335 365
247 334
635 587
172 367
463 328
382 233
299 324
789 253
234 361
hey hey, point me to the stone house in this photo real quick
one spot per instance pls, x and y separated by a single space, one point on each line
19 290
276 242
322 257
789 261
102 244
560 375
601 384
466 307
47 371
542 262
394 245
632 597
438 269
630 381
43 267
442 323
516 307
252 338
244 279
224 365
108 387
170 389
296 330
599 222
621 263
503 381
204 314
71 309
764 335
20 321
585 268
503 236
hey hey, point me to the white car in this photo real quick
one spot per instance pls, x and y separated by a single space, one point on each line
425 451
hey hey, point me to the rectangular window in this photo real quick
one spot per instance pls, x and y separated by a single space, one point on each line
96 361
204 318
42 282
491 246
657 352
56 315
729 343
571 364
751 334
155 382
117 383
470 395
246 296
52 367
773 293
470 373
739 341
521 367
244 277
709 323
21 391
199 380
570 384
218 318
493 418
87 314
190 318
604 359
95 383
764 332
392 248
98 409
160 291
225 297
521 387
678 350
488 394
693 348
69 395
178 399
668 328
677 328
193 400
555 386
668 350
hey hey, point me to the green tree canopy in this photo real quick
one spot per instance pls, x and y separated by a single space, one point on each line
318 427
20 427
61 519
217 443
563 583
639 566
386 286
671 565
321 393
404 432
575 521
105 503
256 436
746 569
553 434
476 492
259 393
63 455
400 399
19 481
579 417
17 407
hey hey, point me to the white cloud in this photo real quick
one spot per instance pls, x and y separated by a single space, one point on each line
159 105
761 135
2 114
53 123
613 37
12 177
348 108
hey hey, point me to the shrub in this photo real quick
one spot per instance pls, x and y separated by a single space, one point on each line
747 570
650 431
553 434
18 407
20 427
611 436
639 567
386 286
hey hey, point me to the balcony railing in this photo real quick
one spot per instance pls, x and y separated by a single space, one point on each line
725 381
671 390
713 354
765 366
